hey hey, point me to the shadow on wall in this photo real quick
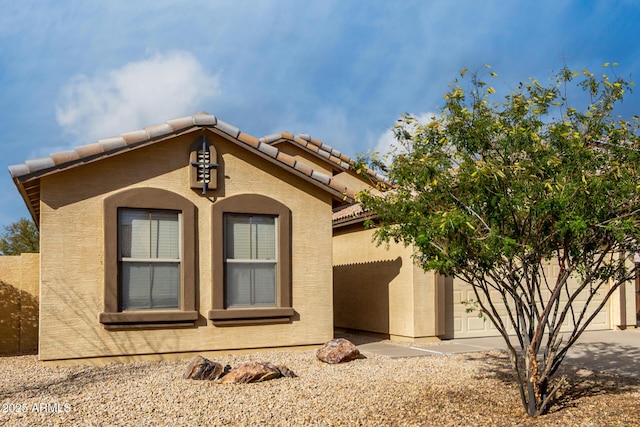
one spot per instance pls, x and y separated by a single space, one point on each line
18 320
361 294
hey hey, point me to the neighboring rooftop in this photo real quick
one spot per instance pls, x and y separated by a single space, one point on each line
27 175
321 150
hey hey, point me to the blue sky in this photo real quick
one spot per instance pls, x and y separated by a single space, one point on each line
73 71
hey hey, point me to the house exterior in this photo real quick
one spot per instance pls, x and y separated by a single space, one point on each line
190 236
380 289
195 237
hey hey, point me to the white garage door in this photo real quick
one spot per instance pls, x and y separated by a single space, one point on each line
460 324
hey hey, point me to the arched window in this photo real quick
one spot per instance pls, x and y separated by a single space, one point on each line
251 261
149 259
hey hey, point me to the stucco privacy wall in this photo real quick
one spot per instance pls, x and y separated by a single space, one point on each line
380 289
19 283
73 243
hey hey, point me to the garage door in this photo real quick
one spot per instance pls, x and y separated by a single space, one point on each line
460 324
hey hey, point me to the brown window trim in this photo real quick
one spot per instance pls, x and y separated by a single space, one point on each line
148 198
258 205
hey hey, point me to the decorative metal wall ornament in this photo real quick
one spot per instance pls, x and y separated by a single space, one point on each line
203 159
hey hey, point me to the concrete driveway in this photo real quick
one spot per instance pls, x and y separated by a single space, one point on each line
616 352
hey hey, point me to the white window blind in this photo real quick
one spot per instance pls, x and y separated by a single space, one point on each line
250 260
150 252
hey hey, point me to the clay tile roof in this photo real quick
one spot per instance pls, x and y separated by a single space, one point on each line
323 150
135 136
112 143
249 139
304 168
181 123
64 157
39 164
271 138
204 119
300 141
158 130
351 214
227 128
285 158
268 149
27 175
19 170
89 150
347 212
322 177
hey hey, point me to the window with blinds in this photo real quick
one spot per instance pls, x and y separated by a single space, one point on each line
250 260
150 257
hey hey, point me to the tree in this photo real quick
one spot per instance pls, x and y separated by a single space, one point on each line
19 237
494 189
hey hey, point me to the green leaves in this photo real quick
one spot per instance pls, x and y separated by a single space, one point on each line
491 191
488 182
19 237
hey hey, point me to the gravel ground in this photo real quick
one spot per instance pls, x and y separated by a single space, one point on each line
471 390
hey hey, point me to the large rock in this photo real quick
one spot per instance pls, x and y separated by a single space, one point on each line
205 369
338 350
255 372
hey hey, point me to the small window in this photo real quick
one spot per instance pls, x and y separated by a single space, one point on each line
150 259
250 260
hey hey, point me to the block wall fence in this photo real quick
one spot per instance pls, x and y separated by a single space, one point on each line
19 288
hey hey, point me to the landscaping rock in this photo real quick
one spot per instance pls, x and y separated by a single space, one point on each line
254 372
338 350
204 369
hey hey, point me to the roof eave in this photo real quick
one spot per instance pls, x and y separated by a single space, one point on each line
33 210
337 195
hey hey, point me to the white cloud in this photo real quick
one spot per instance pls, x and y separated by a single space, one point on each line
139 94
387 143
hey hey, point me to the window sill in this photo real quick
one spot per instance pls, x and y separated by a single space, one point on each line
150 318
249 316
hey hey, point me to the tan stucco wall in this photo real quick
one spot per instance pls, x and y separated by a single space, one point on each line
72 244
623 305
380 289
19 283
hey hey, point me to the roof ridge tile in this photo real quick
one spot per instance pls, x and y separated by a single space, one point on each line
269 150
113 143
181 123
158 131
89 150
135 136
271 138
228 128
204 119
34 165
64 157
320 176
249 139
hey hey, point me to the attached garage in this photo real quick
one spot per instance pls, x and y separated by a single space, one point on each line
463 324
380 289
